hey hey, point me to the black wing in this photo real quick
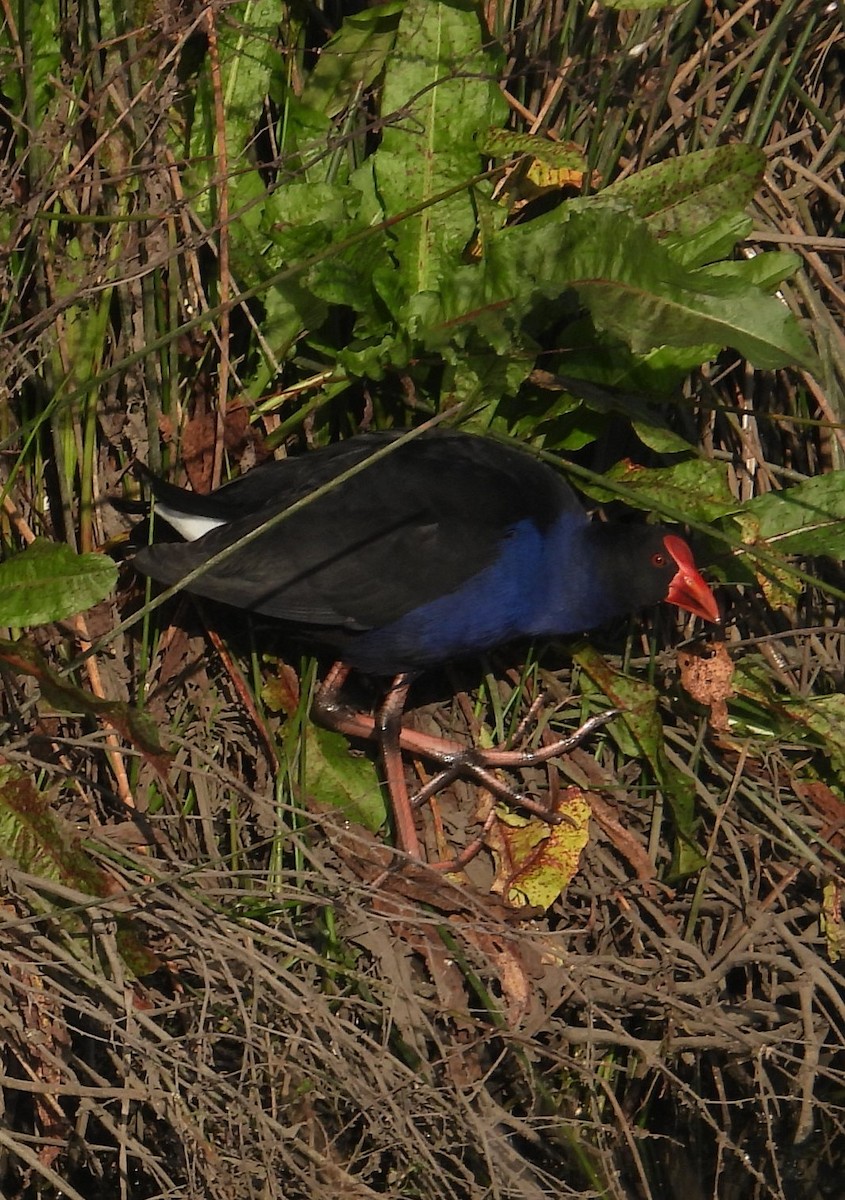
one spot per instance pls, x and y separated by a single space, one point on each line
413 526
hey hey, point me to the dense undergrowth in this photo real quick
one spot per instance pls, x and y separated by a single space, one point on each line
250 228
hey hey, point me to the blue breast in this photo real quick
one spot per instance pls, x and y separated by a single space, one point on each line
538 584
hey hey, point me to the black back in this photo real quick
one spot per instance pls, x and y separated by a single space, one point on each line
406 530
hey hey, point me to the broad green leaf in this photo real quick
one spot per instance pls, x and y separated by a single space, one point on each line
711 243
439 90
806 519
765 271
543 166
638 701
306 142
41 843
688 194
480 378
817 720
586 354
336 777
48 582
294 224
353 58
694 490
635 290
247 44
247 35
648 422
655 434
503 143
633 298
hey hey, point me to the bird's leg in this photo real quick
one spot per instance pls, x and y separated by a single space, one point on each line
385 728
454 759
480 764
469 760
388 722
329 710
451 865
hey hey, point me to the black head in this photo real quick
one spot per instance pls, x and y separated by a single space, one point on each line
641 565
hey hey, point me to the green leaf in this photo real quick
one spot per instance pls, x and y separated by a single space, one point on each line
806 519
637 291
247 36
694 490
295 223
654 433
586 354
764 271
475 378
711 243
347 782
818 720
353 58
439 90
638 701
688 194
48 582
503 143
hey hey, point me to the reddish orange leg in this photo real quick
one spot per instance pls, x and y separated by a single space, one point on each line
388 723
454 759
386 729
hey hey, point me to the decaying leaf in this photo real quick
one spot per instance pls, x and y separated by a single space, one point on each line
131 723
707 674
832 925
535 861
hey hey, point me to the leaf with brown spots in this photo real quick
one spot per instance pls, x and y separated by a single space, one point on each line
535 861
130 722
41 843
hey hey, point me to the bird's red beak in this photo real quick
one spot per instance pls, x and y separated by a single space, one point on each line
688 590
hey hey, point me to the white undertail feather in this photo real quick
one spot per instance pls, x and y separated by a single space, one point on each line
191 527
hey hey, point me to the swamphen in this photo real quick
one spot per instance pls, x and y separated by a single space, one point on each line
442 548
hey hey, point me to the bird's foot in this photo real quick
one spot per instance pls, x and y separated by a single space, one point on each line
480 765
455 760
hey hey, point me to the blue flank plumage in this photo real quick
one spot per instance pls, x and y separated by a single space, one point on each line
450 545
526 592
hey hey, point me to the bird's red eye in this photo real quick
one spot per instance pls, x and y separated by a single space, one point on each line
658 560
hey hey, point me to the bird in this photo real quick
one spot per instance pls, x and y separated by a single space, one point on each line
400 553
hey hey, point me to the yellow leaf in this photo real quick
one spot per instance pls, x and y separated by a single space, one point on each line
831 921
535 861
